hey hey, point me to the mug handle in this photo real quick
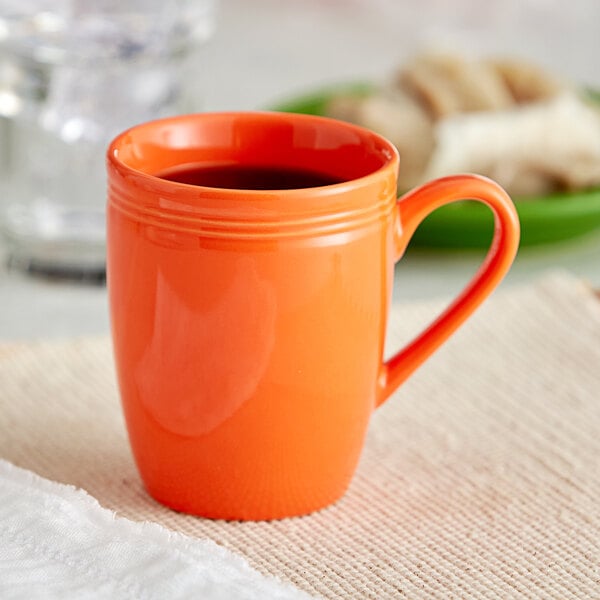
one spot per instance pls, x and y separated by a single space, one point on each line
411 209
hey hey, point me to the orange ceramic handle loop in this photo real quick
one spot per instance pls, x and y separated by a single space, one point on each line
413 208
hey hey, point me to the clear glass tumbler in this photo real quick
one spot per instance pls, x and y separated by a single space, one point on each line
73 73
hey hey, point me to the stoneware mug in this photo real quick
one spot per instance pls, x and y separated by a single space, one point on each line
249 324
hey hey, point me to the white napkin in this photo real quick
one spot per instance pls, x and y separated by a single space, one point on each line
57 542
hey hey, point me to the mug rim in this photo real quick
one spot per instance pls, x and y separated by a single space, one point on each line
112 154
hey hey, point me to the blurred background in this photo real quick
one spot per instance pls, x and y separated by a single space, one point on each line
73 73
265 50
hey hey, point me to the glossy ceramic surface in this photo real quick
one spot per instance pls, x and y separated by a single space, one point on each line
249 326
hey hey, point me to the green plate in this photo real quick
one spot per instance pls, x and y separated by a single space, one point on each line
544 219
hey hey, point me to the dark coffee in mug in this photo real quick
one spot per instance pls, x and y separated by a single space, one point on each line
248 177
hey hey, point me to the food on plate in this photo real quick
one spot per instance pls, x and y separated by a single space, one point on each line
508 119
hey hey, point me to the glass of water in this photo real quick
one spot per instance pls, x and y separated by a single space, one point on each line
73 73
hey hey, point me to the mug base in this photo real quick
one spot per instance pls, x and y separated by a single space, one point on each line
267 510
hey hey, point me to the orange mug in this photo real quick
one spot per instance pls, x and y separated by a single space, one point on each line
248 324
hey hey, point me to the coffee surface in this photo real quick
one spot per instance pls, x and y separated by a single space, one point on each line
246 177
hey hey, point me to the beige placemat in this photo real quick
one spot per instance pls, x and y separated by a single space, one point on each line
480 478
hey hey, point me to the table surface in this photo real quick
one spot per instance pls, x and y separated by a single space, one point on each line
275 50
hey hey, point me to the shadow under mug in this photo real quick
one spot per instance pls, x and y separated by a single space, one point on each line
249 325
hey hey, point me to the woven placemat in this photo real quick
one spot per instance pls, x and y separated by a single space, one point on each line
480 478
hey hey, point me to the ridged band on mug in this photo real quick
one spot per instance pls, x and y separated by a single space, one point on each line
214 212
